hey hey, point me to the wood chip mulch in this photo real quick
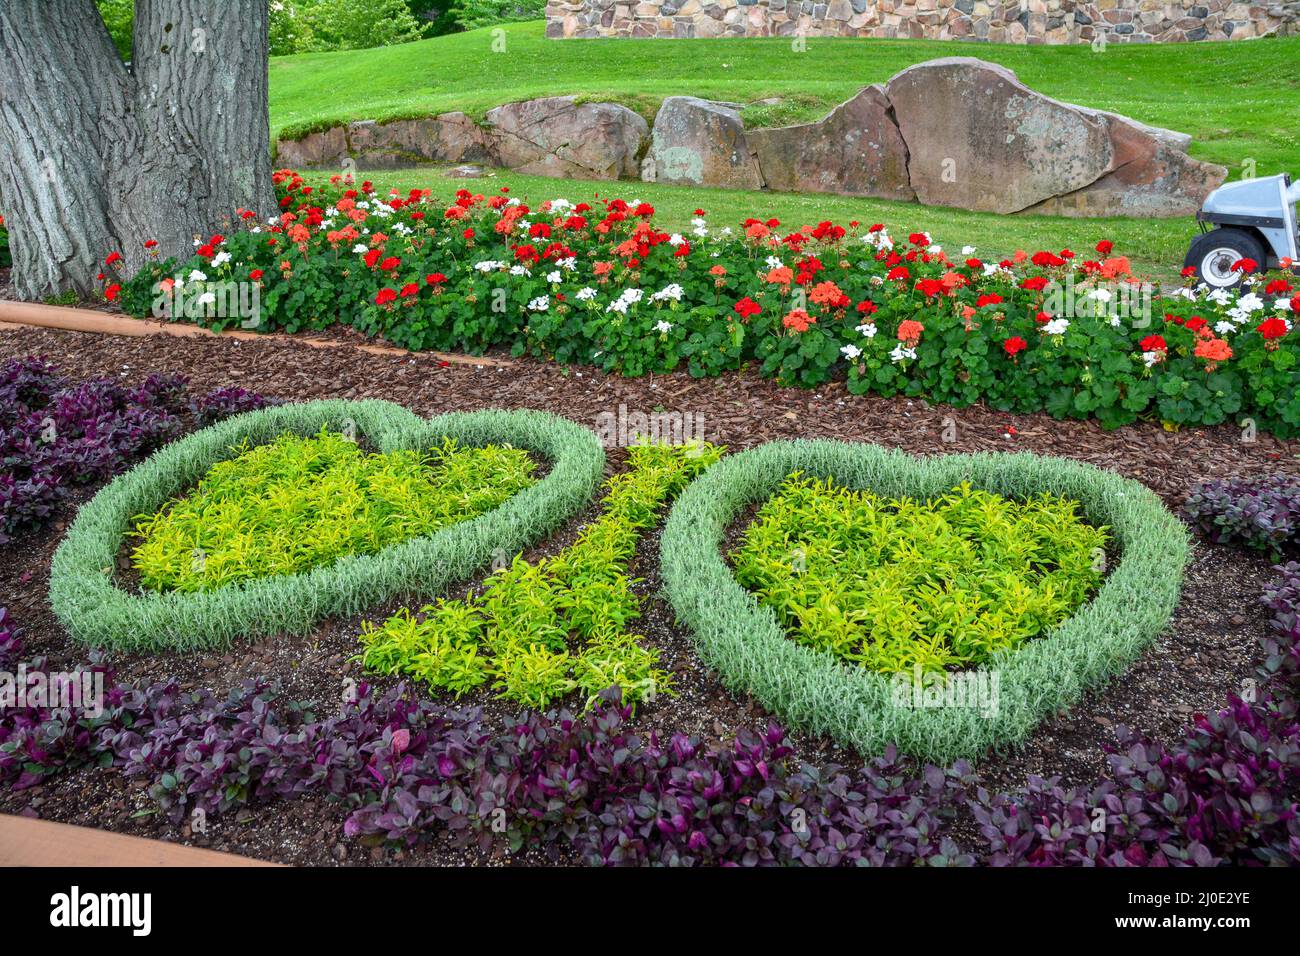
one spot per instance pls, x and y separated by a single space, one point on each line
1210 648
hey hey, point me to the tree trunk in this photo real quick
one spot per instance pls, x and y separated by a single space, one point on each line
96 158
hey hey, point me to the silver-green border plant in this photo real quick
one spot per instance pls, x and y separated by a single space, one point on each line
814 692
98 612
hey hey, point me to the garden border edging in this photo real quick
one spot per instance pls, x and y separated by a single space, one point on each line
96 612
811 691
40 315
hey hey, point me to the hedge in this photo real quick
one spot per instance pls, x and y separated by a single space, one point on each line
813 692
96 611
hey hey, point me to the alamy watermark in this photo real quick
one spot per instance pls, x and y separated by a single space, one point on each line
81 690
1124 303
623 428
179 298
968 690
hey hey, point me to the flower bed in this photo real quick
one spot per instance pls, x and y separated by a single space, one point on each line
98 612
300 503
937 585
1044 331
519 632
812 690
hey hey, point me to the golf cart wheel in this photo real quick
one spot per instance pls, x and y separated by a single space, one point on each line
1213 254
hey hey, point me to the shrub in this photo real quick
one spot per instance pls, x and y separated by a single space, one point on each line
56 434
812 690
1260 513
541 631
96 611
299 503
302 26
606 287
893 585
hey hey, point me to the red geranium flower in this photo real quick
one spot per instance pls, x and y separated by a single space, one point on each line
747 307
1153 343
1105 246
1271 329
1245 265
1014 345
385 296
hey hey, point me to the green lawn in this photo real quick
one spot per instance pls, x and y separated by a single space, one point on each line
1238 100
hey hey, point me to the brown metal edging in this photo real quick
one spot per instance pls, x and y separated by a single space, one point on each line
86 320
28 842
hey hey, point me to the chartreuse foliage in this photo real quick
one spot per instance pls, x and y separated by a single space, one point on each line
539 631
299 503
892 584
97 611
817 691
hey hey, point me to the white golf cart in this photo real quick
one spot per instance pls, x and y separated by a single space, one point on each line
1252 219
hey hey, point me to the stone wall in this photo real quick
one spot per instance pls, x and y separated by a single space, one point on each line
1017 21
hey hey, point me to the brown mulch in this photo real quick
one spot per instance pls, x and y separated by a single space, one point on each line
1206 653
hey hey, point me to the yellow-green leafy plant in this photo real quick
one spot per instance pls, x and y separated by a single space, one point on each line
539 631
302 502
944 583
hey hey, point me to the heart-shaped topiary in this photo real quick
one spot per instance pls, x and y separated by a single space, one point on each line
813 691
97 612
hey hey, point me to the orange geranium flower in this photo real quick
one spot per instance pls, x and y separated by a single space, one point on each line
909 332
799 320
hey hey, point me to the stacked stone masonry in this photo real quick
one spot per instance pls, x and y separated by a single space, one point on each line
1020 21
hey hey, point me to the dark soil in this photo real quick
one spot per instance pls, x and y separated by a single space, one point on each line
1210 648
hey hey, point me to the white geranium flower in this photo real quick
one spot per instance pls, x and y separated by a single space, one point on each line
868 329
850 352
671 292
486 266
901 352
197 276
586 294
540 304
519 270
1151 358
221 258
675 239
1056 327
968 250
662 326
554 277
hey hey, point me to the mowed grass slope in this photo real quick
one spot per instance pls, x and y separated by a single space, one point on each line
1238 100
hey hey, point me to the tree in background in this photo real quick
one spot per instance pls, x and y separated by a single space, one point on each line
98 157
314 26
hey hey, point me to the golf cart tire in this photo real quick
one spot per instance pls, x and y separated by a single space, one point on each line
1239 243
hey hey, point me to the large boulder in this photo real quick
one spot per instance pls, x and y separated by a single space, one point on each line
978 138
557 136
696 142
1153 177
449 138
856 150
325 148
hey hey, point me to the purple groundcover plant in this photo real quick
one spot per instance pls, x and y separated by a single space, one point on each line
1259 513
56 434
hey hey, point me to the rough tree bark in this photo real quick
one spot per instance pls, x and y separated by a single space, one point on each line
96 157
